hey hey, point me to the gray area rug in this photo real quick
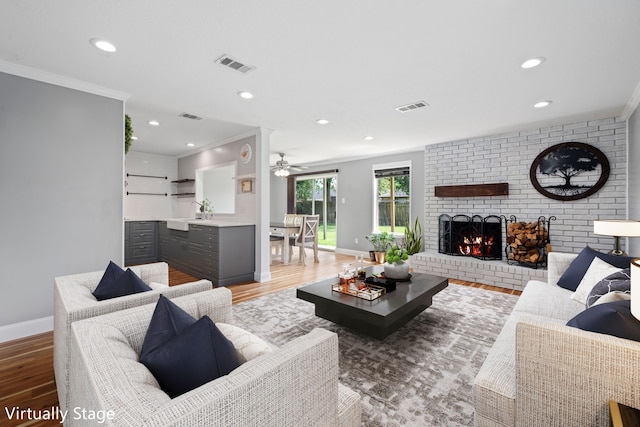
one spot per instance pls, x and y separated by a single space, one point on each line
422 374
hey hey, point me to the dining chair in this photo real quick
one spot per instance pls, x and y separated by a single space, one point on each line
277 242
308 235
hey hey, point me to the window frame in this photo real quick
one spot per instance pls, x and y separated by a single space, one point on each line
381 167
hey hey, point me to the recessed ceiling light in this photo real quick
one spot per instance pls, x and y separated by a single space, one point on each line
103 45
322 121
542 104
135 138
368 138
533 62
244 94
190 144
154 122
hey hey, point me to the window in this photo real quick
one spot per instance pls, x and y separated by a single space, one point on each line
393 197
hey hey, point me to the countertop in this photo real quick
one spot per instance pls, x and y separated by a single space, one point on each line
206 222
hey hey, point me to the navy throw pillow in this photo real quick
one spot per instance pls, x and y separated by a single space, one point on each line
111 274
183 353
612 318
127 284
579 266
167 321
617 282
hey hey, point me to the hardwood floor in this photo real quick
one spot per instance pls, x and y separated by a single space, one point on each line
26 365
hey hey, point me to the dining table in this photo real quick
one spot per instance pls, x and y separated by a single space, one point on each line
286 230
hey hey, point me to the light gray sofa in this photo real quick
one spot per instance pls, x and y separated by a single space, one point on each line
295 385
541 372
73 300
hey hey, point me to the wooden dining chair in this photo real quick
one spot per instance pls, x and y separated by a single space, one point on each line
308 236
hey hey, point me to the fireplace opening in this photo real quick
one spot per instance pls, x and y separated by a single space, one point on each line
474 236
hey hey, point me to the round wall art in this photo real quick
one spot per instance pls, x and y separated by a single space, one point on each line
569 171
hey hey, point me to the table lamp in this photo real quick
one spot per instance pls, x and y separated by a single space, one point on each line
617 228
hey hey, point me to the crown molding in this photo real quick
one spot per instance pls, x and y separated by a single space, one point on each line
632 104
59 80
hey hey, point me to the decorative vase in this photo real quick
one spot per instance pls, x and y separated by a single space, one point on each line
381 257
399 270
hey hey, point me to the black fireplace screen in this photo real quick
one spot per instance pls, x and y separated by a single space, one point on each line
475 236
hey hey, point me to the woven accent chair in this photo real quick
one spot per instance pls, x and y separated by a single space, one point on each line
73 300
294 385
308 236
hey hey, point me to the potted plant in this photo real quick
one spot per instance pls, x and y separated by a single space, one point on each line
380 242
413 237
396 266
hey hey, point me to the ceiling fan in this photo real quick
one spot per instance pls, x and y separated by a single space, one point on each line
281 168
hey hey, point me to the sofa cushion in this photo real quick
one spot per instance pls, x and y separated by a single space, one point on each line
617 283
597 271
127 283
196 356
579 266
613 318
168 320
546 300
247 345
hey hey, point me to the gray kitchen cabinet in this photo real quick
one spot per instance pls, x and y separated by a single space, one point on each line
141 242
224 255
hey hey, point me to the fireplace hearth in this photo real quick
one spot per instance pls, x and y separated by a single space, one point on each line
473 236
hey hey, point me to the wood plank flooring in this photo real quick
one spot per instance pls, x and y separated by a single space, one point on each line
26 365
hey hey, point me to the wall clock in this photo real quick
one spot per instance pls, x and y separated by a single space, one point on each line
569 171
245 153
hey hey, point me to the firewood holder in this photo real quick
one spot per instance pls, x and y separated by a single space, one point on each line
541 243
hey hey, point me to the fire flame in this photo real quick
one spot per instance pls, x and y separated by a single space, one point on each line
476 246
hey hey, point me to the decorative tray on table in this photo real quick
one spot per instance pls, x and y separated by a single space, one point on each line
369 292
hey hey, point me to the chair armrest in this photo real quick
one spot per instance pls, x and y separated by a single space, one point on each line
566 376
558 263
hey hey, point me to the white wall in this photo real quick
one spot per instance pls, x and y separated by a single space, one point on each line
61 175
139 207
634 177
508 158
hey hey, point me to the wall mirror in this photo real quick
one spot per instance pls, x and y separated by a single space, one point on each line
217 183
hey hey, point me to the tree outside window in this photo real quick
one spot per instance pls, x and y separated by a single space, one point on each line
393 199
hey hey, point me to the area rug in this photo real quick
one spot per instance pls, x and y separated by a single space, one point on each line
422 374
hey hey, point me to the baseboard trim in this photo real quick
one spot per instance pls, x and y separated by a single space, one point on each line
15 331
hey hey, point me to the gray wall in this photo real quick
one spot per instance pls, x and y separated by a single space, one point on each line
634 176
355 186
508 158
61 183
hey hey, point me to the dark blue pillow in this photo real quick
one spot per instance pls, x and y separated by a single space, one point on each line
579 266
611 318
168 320
128 283
111 274
183 353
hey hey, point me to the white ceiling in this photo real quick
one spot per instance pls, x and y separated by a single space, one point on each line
351 62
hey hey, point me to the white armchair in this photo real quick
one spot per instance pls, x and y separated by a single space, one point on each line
73 300
295 385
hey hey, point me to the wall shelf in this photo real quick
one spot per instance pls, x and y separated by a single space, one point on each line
473 190
182 181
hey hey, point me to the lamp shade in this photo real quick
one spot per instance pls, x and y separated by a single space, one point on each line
619 228
635 288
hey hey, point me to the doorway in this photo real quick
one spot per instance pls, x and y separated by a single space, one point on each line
316 195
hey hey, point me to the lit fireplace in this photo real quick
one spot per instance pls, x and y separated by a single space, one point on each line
475 236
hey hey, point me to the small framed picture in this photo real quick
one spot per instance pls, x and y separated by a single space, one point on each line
247 186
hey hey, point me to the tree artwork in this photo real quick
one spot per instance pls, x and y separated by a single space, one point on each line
569 171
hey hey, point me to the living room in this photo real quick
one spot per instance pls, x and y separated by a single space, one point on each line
65 215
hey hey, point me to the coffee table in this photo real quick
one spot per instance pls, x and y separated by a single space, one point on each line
380 317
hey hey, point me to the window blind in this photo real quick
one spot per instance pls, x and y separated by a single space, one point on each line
385 173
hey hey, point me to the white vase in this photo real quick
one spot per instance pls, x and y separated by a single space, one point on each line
396 270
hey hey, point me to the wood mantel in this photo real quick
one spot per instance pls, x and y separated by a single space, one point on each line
472 190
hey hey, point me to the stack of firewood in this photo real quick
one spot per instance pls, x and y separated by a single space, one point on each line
527 239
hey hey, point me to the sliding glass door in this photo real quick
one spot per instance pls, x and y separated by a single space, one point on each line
316 195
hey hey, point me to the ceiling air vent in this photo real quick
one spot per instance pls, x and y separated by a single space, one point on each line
411 107
190 116
229 62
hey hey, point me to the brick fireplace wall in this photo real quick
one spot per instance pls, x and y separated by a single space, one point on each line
508 158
